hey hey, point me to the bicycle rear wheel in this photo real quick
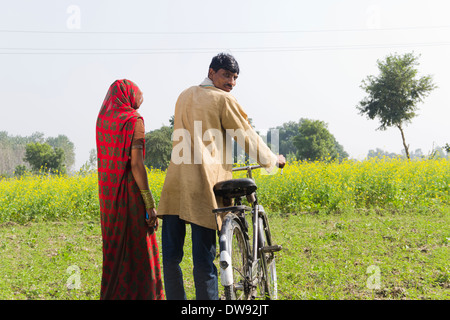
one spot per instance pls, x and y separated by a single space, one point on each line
234 259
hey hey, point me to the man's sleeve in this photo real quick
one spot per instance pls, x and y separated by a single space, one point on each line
235 122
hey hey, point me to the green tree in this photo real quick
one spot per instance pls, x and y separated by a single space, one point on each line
394 94
43 156
12 150
315 142
63 142
20 170
380 153
447 147
158 147
286 133
91 164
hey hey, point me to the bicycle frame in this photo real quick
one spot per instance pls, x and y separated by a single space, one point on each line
258 254
255 210
258 248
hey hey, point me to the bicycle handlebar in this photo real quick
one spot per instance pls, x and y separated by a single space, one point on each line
247 168
250 168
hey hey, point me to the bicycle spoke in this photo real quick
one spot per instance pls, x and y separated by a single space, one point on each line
239 271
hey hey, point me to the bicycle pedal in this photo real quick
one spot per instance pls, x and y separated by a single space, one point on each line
274 248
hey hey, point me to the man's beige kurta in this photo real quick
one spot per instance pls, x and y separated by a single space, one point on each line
202 152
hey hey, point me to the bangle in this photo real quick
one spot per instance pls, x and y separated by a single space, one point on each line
148 199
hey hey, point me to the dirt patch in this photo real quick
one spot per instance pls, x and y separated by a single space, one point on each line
8 224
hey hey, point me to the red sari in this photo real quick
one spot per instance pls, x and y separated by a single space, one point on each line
131 268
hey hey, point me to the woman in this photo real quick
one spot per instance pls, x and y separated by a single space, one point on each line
131 268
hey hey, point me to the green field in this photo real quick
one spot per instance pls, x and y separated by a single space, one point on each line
354 230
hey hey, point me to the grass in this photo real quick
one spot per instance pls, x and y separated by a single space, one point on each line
353 255
374 229
42 260
341 256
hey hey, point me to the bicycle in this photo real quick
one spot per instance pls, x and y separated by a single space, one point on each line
246 272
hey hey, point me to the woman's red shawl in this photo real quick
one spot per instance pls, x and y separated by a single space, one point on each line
131 268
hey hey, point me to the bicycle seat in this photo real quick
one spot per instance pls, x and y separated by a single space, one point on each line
235 188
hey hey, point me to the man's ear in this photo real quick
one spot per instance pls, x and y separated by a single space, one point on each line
211 73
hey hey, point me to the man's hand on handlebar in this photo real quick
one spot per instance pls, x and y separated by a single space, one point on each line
281 162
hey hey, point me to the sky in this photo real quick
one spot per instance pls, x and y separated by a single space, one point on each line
298 59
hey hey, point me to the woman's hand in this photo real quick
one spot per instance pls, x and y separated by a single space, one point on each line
151 219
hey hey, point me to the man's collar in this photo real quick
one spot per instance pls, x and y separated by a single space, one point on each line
207 83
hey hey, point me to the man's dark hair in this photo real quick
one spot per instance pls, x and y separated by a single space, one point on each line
224 61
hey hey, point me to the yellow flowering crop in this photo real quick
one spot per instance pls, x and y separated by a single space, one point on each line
304 186
376 183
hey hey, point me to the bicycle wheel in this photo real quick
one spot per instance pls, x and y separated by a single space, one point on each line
269 271
234 257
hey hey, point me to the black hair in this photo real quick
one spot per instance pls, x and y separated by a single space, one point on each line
224 61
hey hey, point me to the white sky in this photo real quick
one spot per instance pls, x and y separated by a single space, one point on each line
298 59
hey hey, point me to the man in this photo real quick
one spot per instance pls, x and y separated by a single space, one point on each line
205 117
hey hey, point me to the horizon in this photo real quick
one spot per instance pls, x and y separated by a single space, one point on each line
297 59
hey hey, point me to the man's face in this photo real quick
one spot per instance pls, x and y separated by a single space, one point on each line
223 79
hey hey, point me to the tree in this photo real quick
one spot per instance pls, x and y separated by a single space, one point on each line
418 154
447 147
394 94
90 165
42 155
158 147
286 133
20 170
380 153
12 150
63 142
315 142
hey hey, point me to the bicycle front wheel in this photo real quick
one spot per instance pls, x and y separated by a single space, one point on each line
234 259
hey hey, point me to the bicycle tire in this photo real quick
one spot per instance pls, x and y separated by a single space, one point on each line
234 259
269 279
